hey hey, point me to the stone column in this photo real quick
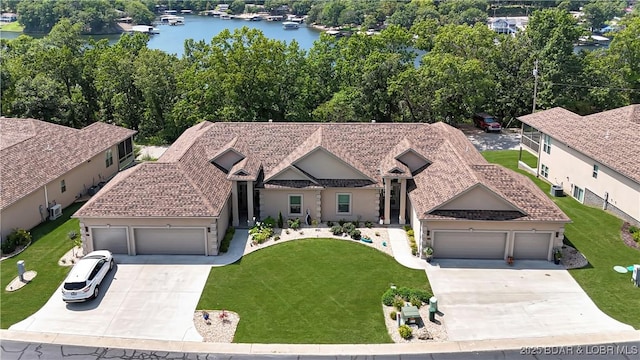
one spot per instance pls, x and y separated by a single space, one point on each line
250 202
318 206
403 201
234 203
387 201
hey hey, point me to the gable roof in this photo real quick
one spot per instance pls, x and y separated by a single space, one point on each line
273 148
34 153
611 138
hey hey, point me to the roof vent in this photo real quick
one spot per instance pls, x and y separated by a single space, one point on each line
373 121
270 120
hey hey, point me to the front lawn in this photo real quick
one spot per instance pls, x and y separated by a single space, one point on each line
12 27
50 242
596 234
324 291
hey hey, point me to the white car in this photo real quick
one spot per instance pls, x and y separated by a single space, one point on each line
83 281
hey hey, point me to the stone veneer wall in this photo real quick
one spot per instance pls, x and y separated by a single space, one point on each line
592 199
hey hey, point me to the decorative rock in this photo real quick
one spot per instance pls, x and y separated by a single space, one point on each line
423 334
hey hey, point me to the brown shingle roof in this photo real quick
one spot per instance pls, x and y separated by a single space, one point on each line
34 153
456 166
611 138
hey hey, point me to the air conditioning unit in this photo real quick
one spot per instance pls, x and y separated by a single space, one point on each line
55 212
556 190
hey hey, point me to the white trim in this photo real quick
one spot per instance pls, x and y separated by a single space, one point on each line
338 212
289 213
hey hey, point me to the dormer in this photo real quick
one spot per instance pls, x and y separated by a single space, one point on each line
413 160
227 158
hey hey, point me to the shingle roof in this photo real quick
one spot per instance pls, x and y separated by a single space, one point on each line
611 138
368 148
34 153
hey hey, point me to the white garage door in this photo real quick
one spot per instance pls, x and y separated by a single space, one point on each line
469 245
531 246
113 239
151 241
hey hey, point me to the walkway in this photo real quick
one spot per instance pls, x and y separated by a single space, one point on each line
402 251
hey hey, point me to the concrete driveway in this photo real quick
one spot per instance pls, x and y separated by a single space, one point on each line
508 139
485 299
143 301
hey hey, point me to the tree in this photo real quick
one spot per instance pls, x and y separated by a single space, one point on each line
237 7
597 12
625 56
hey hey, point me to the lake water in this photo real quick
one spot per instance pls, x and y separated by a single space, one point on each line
171 38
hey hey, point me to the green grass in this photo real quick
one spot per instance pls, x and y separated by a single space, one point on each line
309 291
596 234
50 242
529 159
12 26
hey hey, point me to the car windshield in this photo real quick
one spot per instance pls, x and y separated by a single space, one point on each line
489 120
74 285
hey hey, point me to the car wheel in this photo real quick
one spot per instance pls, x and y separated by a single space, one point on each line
96 292
111 264
486 129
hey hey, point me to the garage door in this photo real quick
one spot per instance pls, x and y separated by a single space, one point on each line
170 241
531 246
113 239
469 245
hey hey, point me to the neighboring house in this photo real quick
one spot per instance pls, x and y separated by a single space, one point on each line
8 17
45 167
428 175
594 158
503 26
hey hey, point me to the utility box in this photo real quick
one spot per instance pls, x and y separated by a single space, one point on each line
433 304
21 270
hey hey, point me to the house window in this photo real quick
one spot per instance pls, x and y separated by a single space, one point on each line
343 202
544 170
109 158
295 204
578 193
125 149
546 146
595 171
63 186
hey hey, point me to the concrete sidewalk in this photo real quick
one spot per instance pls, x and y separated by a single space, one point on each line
402 251
321 349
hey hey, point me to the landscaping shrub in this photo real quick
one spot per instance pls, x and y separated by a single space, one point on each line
355 234
348 227
226 241
280 221
406 227
393 315
330 223
336 230
368 224
415 302
389 296
633 229
276 238
72 234
294 224
410 232
398 302
422 295
341 222
404 292
405 332
314 223
356 223
17 237
269 221
636 236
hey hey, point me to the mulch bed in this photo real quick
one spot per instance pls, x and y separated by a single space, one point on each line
627 238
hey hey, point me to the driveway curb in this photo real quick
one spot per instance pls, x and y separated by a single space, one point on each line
320 349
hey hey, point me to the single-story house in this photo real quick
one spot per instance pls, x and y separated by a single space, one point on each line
426 175
8 17
45 167
594 158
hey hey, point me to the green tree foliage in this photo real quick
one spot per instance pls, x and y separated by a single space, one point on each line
598 12
237 7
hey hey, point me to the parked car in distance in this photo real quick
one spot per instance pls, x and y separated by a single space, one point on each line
83 281
486 122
